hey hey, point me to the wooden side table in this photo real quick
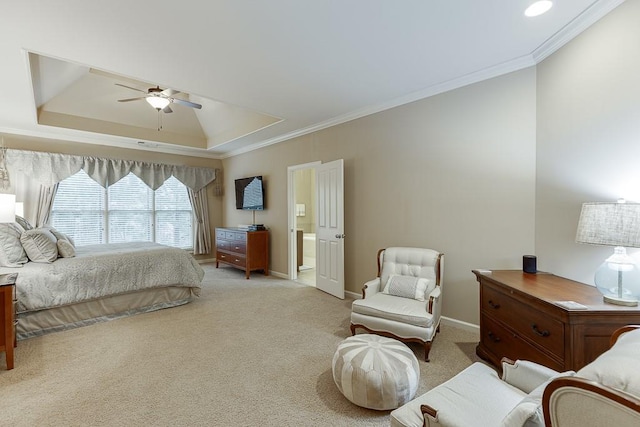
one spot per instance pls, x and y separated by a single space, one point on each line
7 316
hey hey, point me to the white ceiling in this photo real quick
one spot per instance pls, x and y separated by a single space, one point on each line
264 71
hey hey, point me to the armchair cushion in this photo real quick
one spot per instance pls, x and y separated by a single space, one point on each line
528 413
474 397
526 375
408 287
405 310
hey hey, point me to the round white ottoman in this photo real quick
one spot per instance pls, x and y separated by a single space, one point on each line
375 372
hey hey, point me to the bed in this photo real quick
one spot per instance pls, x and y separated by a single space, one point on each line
102 282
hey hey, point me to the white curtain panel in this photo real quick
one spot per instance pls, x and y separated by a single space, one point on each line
201 227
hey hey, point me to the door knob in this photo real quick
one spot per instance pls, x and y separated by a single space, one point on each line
339 236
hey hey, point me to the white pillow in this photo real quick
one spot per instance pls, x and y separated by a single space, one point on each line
65 249
528 413
60 235
12 253
407 287
40 245
23 223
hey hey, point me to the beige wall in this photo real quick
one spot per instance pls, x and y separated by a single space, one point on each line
588 144
454 172
305 183
66 147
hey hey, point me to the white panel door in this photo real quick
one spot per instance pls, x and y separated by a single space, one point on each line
330 228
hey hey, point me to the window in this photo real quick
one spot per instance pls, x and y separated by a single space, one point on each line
127 211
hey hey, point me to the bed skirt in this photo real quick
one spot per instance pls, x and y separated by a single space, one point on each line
40 322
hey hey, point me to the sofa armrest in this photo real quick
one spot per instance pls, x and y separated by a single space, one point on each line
525 375
371 287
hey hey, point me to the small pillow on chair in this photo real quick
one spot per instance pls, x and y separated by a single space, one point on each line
406 287
528 413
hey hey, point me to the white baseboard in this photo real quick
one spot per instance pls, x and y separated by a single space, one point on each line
459 324
278 274
353 295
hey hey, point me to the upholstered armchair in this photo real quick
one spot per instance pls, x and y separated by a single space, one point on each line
405 300
478 396
606 392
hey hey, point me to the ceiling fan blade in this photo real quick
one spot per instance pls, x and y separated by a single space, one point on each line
131 99
132 88
186 103
169 92
167 109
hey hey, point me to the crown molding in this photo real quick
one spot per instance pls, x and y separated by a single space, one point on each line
590 16
468 79
128 143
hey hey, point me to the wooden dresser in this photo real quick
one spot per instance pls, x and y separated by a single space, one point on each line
7 316
520 320
246 250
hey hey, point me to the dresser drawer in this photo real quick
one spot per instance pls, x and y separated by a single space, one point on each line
234 259
237 246
503 342
530 323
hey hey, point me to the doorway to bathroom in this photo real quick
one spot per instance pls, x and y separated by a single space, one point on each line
304 215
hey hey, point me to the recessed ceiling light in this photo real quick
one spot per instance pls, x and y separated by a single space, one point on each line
538 8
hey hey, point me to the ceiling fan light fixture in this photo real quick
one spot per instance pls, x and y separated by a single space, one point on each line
538 8
157 102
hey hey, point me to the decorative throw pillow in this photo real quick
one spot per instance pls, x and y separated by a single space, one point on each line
12 253
40 245
23 223
65 249
406 287
528 413
60 235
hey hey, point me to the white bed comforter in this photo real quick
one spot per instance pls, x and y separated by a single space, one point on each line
100 270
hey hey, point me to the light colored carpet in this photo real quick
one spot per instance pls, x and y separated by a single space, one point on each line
247 352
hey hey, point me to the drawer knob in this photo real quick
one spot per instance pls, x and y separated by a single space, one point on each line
493 304
544 333
493 337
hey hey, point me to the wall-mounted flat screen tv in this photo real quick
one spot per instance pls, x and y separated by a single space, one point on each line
250 193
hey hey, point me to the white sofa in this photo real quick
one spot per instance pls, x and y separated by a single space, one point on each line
605 392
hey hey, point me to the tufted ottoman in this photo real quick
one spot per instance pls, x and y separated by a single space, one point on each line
375 372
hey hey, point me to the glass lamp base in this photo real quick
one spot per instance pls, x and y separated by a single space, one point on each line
620 301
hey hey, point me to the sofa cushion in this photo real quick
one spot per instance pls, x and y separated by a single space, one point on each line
12 253
618 366
408 287
405 310
40 245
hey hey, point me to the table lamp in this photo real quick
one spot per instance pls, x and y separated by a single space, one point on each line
618 225
7 207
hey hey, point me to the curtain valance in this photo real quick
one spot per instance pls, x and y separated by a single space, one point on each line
51 168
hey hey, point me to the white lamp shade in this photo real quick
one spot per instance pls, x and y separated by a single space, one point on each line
19 208
7 208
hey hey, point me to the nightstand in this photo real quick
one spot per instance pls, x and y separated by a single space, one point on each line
7 316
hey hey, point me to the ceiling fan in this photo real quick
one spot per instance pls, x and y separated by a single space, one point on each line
160 98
